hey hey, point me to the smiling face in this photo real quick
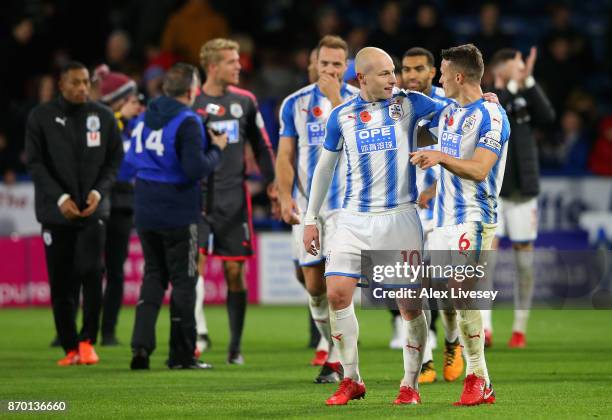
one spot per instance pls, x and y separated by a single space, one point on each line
417 74
377 78
331 61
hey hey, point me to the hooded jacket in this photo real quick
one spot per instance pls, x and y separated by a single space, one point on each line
160 205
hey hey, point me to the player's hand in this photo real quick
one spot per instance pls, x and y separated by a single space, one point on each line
490 97
330 87
275 208
530 63
93 200
219 140
70 210
425 158
290 212
425 197
311 239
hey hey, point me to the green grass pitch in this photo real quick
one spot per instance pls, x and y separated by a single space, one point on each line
566 371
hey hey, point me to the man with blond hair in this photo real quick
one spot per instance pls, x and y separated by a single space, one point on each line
226 229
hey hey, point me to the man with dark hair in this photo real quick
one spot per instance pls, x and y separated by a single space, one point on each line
303 116
73 150
526 105
418 72
226 229
170 153
467 60
473 136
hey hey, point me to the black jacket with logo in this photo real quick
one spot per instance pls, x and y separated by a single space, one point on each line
525 109
72 149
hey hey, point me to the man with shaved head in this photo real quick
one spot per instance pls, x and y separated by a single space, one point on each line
375 131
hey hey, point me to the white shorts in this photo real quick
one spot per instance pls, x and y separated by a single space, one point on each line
518 219
358 232
460 244
326 223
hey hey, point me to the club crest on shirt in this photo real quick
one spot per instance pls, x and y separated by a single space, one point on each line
395 112
469 124
93 130
236 110
93 122
214 109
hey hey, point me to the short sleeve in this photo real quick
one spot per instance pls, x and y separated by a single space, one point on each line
333 135
286 118
494 130
423 105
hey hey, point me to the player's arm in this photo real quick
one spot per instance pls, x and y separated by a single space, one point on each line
427 112
112 160
539 105
285 161
474 169
427 195
426 136
494 132
321 179
260 143
35 158
285 176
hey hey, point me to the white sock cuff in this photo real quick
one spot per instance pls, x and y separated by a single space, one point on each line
346 312
415 321
468 315
316 301
524 259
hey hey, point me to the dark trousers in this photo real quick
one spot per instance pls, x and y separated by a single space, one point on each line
74 260
170 256
118 229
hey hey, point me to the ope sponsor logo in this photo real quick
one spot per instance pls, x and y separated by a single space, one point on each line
376 139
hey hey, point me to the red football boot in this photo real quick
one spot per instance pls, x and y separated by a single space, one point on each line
348 390
70 359
475 392
407 395
517 341
320 358
488 338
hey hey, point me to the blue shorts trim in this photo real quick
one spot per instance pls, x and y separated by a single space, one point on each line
310 264
338 273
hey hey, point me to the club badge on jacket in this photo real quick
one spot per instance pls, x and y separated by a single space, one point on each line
93 130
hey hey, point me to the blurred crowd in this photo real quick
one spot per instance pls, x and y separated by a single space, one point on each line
142 39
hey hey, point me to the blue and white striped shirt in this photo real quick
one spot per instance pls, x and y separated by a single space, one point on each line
376 138
303 115
426 178
460 130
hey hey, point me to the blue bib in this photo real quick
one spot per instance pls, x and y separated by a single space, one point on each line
152 153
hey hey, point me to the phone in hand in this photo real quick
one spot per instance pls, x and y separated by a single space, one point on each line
217 132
